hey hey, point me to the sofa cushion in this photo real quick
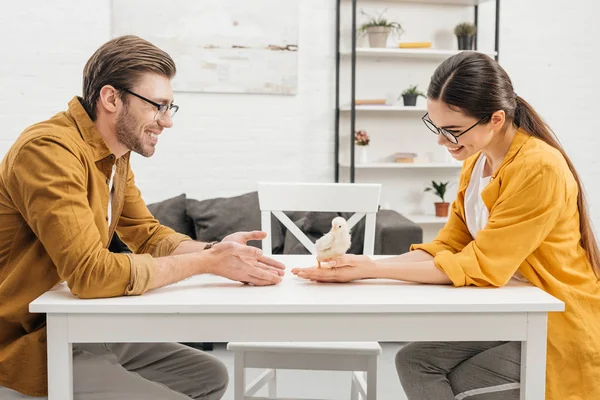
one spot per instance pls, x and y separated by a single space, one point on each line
213 219
172 213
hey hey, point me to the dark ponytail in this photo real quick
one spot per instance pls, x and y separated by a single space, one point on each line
479 86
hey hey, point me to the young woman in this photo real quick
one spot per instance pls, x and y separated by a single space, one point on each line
519 213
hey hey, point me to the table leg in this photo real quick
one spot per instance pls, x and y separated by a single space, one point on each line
60 358
533 358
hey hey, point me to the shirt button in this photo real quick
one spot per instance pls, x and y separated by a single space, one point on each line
112 157
107 181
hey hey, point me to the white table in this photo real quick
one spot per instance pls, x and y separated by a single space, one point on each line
212 309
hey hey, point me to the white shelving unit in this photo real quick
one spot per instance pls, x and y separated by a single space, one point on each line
425 219
407 53
446 2
392 165
383 73
386 108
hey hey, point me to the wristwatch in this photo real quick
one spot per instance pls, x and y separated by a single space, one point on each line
209 245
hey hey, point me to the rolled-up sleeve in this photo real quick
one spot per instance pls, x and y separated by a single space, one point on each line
519 222
140 230
47 184
454 236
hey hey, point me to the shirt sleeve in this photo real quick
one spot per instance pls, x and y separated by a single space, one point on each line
520 220
139 229
48 185
454 236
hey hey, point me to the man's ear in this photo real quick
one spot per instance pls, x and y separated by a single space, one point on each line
109 99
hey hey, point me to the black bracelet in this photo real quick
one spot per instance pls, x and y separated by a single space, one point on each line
209 245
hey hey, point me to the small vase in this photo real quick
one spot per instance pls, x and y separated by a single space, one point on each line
361 155
378 36
465 42
441 209
409 99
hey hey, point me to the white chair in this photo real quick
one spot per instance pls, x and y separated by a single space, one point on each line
358 357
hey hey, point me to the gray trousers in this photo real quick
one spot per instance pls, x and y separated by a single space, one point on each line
460 370
142 371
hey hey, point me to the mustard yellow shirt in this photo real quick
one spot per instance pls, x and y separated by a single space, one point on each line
54 227
533 228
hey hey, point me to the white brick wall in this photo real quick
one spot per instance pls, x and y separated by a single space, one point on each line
223 144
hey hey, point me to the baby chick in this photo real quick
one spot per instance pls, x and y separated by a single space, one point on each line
335 243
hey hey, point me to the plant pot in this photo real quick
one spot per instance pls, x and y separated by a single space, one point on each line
378 36
410 99
465 42
441 209
361 155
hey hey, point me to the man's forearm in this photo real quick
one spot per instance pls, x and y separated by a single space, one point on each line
189 246
175 268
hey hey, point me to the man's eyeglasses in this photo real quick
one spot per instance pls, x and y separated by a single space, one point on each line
162 108
452 137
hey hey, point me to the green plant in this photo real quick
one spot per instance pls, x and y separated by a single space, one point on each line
465 29
438 188
380 21
412 90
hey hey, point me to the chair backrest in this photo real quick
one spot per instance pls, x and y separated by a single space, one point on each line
360 198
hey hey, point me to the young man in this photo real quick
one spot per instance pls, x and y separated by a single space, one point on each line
66 187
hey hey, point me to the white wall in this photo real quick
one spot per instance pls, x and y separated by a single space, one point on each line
223 144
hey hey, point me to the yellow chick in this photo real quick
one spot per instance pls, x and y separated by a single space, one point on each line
335 243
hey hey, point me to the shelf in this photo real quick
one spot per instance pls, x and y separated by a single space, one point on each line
408 53
393 165
423 219
386 108
446 2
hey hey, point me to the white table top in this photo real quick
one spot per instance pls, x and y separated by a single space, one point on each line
212 294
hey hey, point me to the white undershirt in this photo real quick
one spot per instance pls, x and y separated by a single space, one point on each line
110 193
476 211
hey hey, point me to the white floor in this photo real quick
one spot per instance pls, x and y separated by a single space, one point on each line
324 384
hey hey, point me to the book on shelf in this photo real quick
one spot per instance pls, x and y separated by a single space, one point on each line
407 158
414 45
370 102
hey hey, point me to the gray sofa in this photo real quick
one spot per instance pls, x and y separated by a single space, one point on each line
213 219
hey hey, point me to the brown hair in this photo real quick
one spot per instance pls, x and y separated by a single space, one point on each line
120 62
479 86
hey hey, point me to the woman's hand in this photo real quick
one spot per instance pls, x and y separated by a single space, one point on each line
346 268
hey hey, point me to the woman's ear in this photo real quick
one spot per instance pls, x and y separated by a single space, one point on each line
498 119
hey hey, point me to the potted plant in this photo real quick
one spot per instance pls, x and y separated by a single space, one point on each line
465 34
378 29
439 189
409 96
361 139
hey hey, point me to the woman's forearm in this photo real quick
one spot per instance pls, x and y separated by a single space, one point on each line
410 271
411 256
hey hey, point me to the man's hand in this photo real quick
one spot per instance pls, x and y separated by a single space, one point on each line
242 263
243 237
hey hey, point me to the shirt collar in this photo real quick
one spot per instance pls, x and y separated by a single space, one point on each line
521 137
88 130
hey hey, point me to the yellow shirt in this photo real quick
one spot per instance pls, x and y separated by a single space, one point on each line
533 228
54 227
